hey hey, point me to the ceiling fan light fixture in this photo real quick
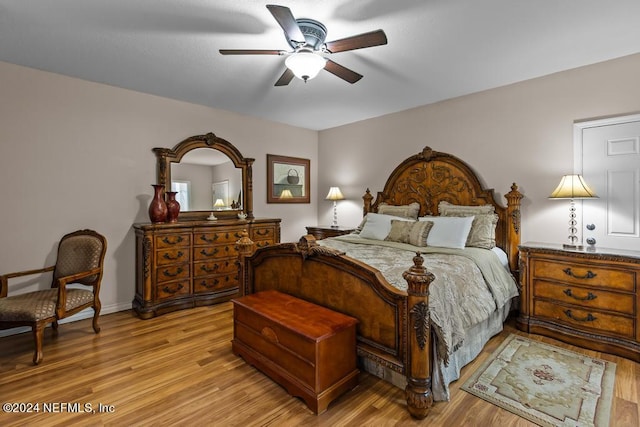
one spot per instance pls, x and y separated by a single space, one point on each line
305 64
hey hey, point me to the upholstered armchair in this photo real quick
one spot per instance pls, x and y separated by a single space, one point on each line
79 261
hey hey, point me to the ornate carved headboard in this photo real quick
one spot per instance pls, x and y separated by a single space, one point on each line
430 177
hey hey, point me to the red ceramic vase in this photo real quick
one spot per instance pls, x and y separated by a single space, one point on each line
158 207
173 206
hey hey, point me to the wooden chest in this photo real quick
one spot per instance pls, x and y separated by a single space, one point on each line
308 349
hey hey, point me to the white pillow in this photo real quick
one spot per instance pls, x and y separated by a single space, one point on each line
378 226
448 231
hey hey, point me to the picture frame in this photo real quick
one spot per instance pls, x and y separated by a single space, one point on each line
288 179
220 191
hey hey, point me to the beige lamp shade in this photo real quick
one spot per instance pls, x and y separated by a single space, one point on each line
335 194
572 187
286 194
219 204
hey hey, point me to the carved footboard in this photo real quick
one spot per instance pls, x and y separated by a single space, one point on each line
393 327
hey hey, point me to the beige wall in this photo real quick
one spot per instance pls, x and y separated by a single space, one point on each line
76 154
519 133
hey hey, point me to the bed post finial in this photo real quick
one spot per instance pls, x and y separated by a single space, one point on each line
245 247
418 368
367 202
514 198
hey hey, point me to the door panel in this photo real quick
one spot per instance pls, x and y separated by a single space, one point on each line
611 167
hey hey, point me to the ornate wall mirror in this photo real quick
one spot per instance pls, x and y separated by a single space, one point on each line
209 174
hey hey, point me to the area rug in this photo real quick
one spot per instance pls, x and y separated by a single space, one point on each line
547 385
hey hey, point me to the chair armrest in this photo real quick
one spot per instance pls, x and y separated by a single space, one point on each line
62 281
4 279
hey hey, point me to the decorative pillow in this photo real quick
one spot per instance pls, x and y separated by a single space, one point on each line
448 231
447 209
406 211
413 233
483 228
378 226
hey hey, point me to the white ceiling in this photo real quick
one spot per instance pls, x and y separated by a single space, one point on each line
438 49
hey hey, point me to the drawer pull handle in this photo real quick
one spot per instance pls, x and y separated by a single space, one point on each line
238 235
172 258
210 285
178 239
262 244
590 274
209 270
590 317
269 334
169 274
172 291
589 296
211 253
204 237
262 232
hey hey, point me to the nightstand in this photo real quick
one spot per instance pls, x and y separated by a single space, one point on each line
588 298
324 231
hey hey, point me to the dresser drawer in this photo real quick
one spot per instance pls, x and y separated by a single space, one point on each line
582 318
172 256
585 297
263 233
212 252
584 274
173 240
168 273
172 290
206 268
210 238
215 283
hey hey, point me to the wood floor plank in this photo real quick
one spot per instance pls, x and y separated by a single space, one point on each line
178 369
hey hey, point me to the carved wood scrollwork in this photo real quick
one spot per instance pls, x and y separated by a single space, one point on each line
146 251
420 315
307 246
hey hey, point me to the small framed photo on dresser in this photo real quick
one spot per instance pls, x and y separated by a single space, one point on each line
287 179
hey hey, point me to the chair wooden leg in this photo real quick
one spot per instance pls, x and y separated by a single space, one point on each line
38 333
96 314
54 325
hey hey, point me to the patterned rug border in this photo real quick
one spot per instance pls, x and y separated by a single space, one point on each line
605 400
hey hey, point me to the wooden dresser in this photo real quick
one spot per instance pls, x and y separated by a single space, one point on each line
192 263
308 349
586 298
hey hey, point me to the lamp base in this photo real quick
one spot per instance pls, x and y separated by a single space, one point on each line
573 247
335 226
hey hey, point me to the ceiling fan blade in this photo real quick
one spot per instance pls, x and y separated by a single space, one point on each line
343 72
251 52
285 78
288 23
373 38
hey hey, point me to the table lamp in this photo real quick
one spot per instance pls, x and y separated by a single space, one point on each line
335 194
572 187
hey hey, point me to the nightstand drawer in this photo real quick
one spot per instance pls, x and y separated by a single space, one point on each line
584 274
606 324
585 297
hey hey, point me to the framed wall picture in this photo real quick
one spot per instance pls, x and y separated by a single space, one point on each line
287 179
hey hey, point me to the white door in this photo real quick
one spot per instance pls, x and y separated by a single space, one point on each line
610 165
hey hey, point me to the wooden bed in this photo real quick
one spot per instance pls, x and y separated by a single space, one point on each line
394 329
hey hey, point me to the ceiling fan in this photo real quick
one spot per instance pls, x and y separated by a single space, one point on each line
307 38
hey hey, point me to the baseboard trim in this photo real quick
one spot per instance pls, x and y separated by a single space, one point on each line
84 314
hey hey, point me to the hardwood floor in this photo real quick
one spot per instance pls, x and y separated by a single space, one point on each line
178 369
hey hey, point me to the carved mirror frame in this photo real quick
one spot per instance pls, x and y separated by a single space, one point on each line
167 156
